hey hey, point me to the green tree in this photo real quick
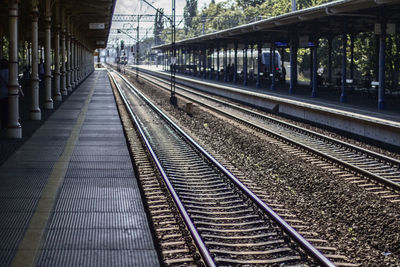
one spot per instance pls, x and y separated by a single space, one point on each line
243 4
158 26
189 12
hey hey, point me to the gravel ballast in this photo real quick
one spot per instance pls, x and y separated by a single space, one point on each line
363 226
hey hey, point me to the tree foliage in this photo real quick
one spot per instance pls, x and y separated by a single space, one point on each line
231 13
189 12
158 26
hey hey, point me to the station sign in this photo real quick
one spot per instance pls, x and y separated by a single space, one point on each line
97 26
281 44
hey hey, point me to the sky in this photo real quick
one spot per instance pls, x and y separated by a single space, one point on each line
133 6
140 7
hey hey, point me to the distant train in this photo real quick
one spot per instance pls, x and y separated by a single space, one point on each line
252 61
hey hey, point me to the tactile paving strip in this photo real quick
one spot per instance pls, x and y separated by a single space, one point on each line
99 188
101 143
98 220
99 205
99 158
92 150
88 173
98 258
97 165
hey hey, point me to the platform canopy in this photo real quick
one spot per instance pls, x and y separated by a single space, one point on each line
91 19
334 18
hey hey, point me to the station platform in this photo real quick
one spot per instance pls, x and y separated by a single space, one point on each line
69 196
359 116
357 101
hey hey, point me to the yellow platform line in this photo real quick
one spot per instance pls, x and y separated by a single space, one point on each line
31 243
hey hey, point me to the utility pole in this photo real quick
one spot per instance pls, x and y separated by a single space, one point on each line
294 5
172 99
137 48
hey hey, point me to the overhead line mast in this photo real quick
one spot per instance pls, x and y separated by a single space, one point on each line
173 100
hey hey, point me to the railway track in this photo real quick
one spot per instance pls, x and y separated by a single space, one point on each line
381 169
229 224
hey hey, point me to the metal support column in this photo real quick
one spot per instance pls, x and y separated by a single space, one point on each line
173 100
35 113
200 60
57 94
81 63
81 59
352 58
29 57
63 54
382 48
330 60
76 62
193 55
68 57
184 60
314 81
211 63
181 64
343 96
376 57
163 60
225 63
73 62
259 54
235 62
217 72
205 64
14 129
230 73
251 78
137 47
311 64
293 64
48 102
72 66
273 67
245 64
189 61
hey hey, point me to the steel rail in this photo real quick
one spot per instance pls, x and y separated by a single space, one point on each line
352 167
290 231
206 255
366 151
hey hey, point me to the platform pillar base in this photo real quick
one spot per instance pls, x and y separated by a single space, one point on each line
48 105
35 115
14 132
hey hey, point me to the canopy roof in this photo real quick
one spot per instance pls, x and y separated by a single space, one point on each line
91 19
334 18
